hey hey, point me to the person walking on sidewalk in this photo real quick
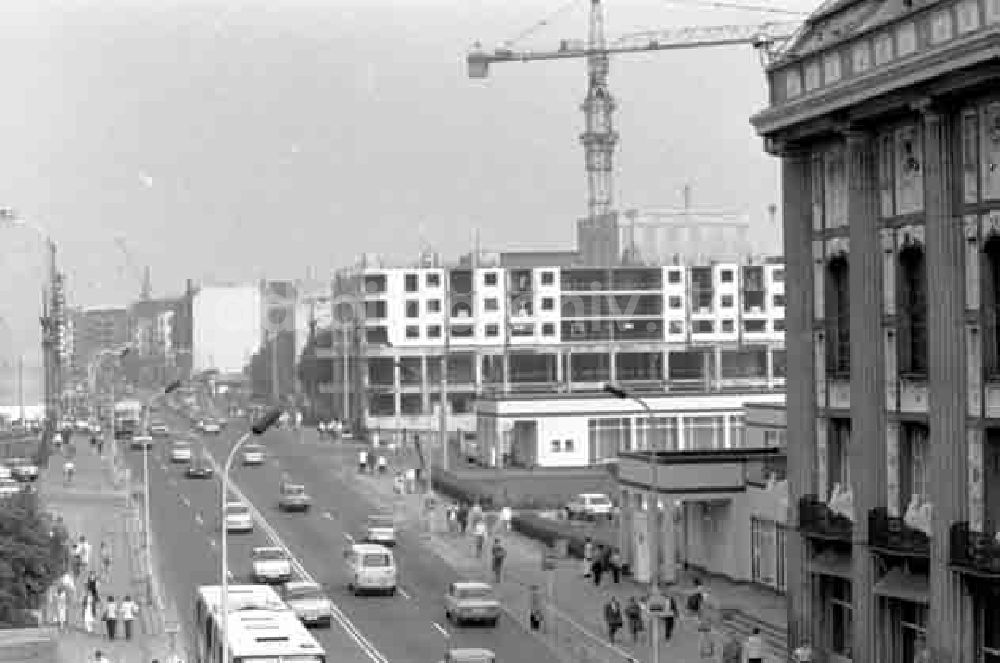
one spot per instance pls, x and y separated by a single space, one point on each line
479 532
597 569
476 514
669 618
463 518
90 587
89 612
363 461
615 565
613 617
106 559
68 468
126 612
499 554
62 608
506 516
633 613
588 556
111 617
81 556
99 657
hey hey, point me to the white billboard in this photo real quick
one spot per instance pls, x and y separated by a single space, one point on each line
227 323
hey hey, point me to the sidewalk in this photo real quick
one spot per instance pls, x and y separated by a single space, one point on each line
580 627
94 507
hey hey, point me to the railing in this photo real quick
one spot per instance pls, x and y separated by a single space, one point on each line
816 519
891 533
975 551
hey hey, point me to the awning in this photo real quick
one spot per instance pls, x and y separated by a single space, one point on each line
900 584
831 563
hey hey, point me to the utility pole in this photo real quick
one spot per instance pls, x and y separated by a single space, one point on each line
443 413
20 387
275 392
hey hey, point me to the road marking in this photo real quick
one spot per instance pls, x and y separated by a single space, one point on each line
441 629
349 537
229 574
402 592
355 634
198 519
186 502
328 515
212 543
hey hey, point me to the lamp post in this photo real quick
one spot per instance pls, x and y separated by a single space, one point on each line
118 355
147 521
656 604
259 427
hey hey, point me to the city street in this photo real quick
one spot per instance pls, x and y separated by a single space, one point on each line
407 627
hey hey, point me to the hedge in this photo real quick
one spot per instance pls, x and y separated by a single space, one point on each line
549 531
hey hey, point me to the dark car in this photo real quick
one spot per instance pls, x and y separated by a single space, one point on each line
199 470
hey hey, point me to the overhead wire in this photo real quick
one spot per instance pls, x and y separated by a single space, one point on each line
541 23
718 4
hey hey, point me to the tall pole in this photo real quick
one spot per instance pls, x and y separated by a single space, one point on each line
224 568
443 413
20 387
346 376
275 392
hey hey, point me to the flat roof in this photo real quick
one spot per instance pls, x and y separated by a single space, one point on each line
704 455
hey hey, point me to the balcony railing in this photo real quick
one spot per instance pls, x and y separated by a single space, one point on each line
974 551
816 519
891 533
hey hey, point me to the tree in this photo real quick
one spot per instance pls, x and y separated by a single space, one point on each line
32 557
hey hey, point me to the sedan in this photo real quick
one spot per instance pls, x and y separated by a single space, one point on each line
141 442
294 498
22 469
310 603
180 452
253 455
471 602
199 470
469 655
9 488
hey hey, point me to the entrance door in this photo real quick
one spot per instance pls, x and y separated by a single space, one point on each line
991 482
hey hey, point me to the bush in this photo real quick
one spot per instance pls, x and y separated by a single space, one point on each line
549 531
32 557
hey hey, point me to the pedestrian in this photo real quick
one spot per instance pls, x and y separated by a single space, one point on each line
476 513
696 598
479 532
62 608
706 643
100 446
732 652
106 559
597 570
126 613
362 461
613 617
110 617
383 464
99 657
452 515
463 518
670 615
68 468
633 613
89 612
499 554
506 517
588 556
81 556
615 565
90 587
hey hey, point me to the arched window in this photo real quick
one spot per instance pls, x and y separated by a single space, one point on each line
991 304
913 312
838 317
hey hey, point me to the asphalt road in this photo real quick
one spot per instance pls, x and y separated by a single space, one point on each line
409 627
186 550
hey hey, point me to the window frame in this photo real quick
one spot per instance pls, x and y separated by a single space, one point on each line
911 346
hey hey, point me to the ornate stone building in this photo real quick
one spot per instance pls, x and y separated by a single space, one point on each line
886 117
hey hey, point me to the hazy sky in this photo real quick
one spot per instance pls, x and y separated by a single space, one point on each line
226 140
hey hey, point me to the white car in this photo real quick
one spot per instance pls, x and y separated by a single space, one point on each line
141 442
22 469
180 452
9 488
470 655
590 506
370 567
211 427
238 518
270 564
310 603
253 455
471 602
381 529
158 429
82 426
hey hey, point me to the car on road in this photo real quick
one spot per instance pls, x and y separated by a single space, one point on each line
469 655
95 428
22 469
9 488
253 454
180 452
471 602
270 564
81 426
380 529
590 506
370 568
199 469
309 602
294 498
159 429
238 518
141 442
211 427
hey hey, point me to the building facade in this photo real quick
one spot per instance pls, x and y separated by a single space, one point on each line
887 123
404 333
156 343
227 326
95 330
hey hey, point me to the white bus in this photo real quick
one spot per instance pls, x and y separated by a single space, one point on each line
261 628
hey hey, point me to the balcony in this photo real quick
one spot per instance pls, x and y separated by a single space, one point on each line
818 521
975 553
890 533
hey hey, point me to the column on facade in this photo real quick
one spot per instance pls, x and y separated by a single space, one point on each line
665 372
569 370
717 367
505 368
681 434
612 364
425 392
867 449
769 363
560 373
946 379
397 391
796 207
726 430
706 370
477 370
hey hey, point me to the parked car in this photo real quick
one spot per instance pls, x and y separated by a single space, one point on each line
311 604
22 469
180 452
294 498
590 506
211 427
140 442
370 567
9 488
199 469
471 602
253 454
381 529
270 564
469 655
159 429
238 518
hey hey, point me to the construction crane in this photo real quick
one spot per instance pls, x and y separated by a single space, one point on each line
599 137
144 276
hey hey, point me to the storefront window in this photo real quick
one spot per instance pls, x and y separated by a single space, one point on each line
704 433
658 432
989 632
839 615
608 437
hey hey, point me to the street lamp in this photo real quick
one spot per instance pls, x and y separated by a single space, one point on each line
117 354
656 604
259 427
145 497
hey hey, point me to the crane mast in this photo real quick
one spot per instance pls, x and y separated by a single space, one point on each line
599 138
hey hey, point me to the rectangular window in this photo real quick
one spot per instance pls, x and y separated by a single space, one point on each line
914 475
835 188
675 327
909 171
490 279
491 304
970 157
727 326
839 615
912 343
675 302
816 172
703 433
433 305
555 446
548 278
838 317
568 446
433 331
989 153
548 329
703 327
886 163
763 551
779 325
412 308
492 331
411 282
726 301
838 447
991 306
608 437
375 310
412 331
674 276
548 304
755 326
726 276
432 280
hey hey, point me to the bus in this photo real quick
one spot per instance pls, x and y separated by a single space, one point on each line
261 628
128 419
